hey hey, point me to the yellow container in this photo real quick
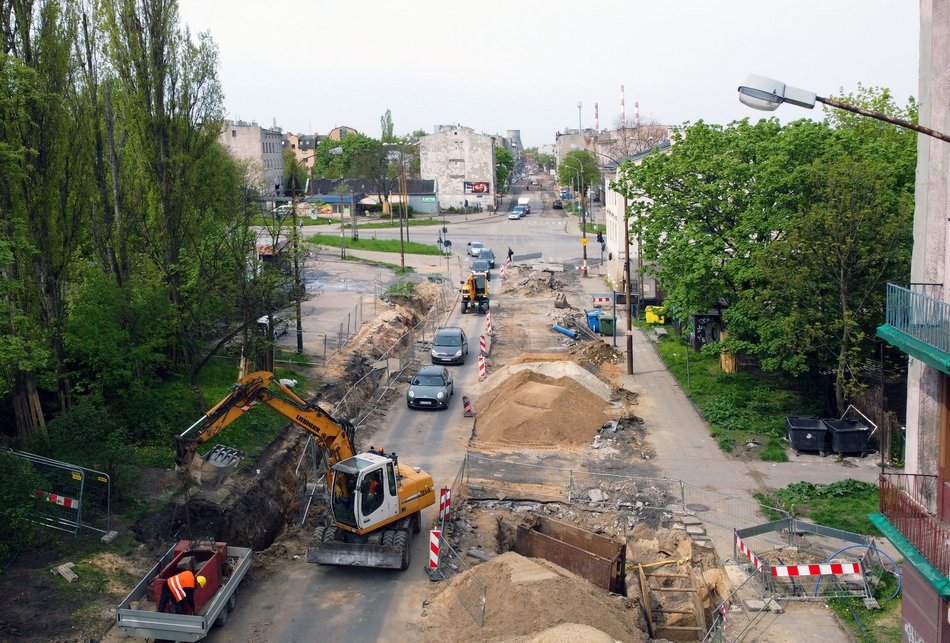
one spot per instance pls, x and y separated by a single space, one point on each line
656 315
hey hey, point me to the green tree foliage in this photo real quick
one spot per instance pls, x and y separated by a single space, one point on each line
18 504
545 161
504 164
328 164
579 168
386 128
790 231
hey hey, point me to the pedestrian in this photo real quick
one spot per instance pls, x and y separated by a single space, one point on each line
180 589
511 253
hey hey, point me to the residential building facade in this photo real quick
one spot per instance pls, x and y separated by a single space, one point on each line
462 164
261 147
303 146
915 505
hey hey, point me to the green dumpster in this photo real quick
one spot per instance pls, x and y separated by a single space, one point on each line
607 325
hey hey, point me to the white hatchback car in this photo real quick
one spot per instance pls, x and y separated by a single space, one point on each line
474 247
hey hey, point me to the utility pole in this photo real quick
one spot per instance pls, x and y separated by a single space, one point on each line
628 286
296 237
402 247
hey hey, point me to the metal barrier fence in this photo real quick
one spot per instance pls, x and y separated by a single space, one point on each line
472 593
72 497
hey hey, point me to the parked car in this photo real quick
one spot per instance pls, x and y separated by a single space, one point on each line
558 205
281 325
481 266
430 388
516 213
488 255
450 346
474 247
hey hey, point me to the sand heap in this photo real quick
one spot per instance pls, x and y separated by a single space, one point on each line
532 409
525 596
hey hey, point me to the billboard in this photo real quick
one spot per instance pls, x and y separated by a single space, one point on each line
476 187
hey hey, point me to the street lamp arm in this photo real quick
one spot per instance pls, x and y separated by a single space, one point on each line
833 102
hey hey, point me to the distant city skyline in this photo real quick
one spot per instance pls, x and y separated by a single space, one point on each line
525 65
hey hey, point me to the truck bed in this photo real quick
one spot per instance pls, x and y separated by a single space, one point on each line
138 616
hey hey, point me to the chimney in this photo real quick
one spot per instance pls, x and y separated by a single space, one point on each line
623 113
596 119
636 106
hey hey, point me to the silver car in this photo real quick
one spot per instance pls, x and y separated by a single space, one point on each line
430 388
450 346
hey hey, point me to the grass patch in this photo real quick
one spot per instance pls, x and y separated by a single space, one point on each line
401 289
386 224
872 626
395 267
738 406
377 245
844 504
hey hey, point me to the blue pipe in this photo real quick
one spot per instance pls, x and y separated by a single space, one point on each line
896 568
567 331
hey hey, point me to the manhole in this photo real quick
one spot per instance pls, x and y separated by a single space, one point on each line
697 508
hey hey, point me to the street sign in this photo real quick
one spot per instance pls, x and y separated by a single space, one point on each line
583 241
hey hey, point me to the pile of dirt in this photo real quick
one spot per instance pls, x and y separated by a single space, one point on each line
523 597
531 283
552 365
596 353
627 436
529 408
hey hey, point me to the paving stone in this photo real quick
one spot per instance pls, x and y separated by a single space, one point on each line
774 607
691 520
755 605
109 537
694 530
66 571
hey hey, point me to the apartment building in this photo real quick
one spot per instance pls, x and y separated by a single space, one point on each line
261 147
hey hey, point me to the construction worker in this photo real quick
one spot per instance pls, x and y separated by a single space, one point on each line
180 588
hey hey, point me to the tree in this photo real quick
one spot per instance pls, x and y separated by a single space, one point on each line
386 127
579 168
295 168
504 164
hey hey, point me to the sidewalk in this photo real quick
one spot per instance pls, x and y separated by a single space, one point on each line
686 451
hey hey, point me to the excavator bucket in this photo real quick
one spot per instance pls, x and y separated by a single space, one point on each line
358 555
209 470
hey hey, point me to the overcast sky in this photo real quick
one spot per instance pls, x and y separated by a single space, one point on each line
525 64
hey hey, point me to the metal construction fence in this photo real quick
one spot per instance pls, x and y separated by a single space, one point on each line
69 496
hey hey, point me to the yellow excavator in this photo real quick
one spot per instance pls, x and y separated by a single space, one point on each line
375 501
475 292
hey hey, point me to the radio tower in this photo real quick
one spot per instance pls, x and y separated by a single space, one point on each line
579 128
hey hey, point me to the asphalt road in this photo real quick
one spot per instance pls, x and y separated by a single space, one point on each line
310 602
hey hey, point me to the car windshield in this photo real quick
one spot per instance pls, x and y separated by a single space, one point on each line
448 339
479 266
428 380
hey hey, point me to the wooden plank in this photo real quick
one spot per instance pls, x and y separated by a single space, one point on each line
698 601
647 605
675 589
682 628
662 575
665 611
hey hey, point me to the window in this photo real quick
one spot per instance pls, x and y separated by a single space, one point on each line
373 492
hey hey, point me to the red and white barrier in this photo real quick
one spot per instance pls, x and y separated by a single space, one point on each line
509 261
748 553
435 536
501 271
827 569
601 300
488 327
445 504
482 374
482 345
467 406
56 499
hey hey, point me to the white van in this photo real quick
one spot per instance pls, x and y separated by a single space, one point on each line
281 325
525 201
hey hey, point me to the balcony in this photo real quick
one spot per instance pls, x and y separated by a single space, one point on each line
919 325
908 503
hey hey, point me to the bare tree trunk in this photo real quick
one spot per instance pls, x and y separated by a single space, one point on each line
27 409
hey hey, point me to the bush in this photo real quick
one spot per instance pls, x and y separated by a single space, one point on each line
18 503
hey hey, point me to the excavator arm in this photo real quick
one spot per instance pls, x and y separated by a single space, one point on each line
336 437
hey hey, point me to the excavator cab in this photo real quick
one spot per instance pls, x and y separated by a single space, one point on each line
364 491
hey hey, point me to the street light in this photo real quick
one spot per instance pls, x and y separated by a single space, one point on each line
766 94
580 186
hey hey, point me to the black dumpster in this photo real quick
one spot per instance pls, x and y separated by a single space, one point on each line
806 434
847 436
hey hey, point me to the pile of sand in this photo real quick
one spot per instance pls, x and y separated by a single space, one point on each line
554 366
524 597
532 409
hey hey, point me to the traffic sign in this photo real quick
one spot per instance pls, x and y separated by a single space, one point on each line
583 241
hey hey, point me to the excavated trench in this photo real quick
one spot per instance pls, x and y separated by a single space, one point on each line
256 503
